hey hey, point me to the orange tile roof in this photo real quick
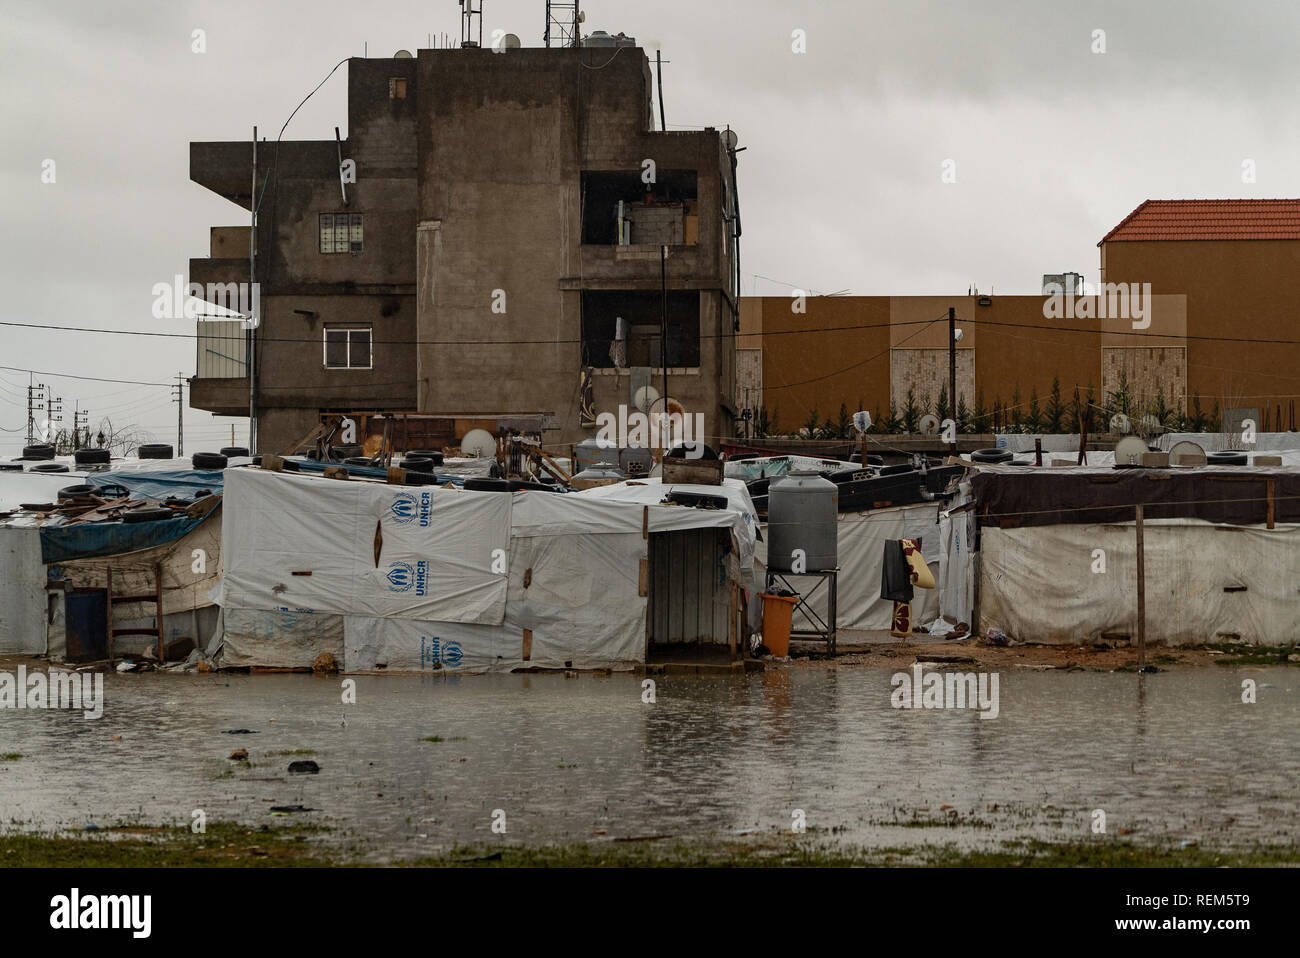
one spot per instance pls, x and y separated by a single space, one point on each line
1209 220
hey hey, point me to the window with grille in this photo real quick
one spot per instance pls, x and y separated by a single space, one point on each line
341 232
347 348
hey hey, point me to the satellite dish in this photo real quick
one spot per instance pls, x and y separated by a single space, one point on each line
674 407
929 424
645 397
1129 451
480 444
729 137
862 420
403 55
510 41
1119 423
1188 450
582 16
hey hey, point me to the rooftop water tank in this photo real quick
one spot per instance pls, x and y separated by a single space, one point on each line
593 450
803 515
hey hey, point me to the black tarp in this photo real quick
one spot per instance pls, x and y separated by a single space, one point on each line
1043 497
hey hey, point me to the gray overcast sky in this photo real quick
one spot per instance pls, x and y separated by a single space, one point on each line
840 187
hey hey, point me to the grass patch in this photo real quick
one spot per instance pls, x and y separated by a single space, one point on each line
297 751
1253 654
439 738
224 844
11 756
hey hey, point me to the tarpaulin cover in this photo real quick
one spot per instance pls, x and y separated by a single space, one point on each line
1204 582
436 548
1013 496
85 540
860 542
512 579
159 484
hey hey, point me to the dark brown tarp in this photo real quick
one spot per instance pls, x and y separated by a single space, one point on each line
1043 497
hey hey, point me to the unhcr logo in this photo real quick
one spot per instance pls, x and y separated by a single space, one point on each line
403 577
407 508
435 654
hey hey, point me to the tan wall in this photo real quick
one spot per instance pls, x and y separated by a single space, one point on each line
1235 289
845 365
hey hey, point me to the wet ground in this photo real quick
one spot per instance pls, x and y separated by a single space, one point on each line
423 763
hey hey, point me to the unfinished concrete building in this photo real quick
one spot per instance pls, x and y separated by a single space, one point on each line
515 220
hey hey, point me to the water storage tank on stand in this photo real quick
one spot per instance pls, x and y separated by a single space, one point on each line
802 513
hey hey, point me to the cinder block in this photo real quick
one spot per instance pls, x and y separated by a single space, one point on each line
1155 459
1267 461
1189 459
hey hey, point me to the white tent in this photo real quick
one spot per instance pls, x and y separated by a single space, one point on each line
422 577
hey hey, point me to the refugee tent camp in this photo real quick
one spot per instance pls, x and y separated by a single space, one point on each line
427 577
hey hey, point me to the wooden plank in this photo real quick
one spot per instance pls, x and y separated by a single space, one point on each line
110 616
643 578
1271 514
645 522
1142 593
158 612
315 433
528 644
554 467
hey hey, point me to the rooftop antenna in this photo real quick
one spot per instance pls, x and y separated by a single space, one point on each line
469 9
562 21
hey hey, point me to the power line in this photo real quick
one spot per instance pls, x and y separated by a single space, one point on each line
766 334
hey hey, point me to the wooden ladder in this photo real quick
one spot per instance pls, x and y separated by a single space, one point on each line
154 597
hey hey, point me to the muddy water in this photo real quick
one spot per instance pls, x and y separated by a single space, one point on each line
1174 756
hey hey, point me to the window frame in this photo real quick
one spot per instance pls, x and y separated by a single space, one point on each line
325 343
353 221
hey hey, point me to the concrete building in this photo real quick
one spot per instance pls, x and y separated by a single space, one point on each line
504 228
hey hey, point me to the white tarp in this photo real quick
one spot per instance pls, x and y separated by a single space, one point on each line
17 488
1038 584
437 548
860 541
563 568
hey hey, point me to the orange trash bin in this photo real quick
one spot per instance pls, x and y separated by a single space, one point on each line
778 611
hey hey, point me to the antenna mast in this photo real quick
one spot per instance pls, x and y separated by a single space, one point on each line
562 21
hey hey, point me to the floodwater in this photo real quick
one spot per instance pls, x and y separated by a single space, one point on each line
1174 756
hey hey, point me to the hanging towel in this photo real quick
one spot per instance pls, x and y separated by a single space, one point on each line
895 573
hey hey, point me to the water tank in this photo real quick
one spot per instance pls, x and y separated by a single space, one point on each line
597 474
591 451
635 461
802 513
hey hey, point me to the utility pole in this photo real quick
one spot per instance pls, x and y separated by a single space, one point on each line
53 415
80 426
35 390
179 396
952 376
